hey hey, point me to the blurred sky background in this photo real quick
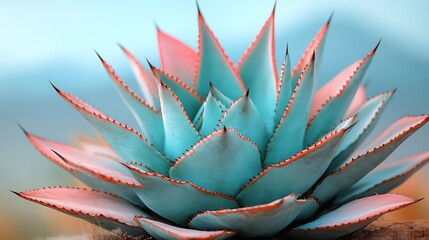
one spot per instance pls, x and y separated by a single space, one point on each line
50 40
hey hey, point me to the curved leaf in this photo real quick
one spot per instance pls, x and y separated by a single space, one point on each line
284 89
165 231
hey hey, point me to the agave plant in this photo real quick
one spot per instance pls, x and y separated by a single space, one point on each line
239 149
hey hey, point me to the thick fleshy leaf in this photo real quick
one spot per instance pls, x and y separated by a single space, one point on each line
252 221
188 97
149 119
145 79
180 133
384 178
365 119
160 230
222 162
350 217
284 89
214 66
177 200
89 205
226 101
243 116
340 93
126 141
97 147
315 46
288 136
177 58
357 102
108 177
257 68
368 158
284 178
213 111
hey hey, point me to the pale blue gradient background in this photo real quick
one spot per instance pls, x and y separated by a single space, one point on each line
53 40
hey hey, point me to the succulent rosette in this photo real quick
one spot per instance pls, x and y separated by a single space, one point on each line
235 150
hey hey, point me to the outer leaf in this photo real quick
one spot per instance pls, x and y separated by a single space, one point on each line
95 207
188 97
366 119
177 200
284 89
126 141
284 178
223 162
350 217
149 119
180 133
341 93
214 66
257 68
384 178
243 116
288 136
177 58
145 79
251 221
316 45
165 231
100 179
360 165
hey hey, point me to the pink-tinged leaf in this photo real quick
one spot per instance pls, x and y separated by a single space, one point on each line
177 58
214 66
284 178
190 99
89 205
252 221
175 200
165 231
316 45
357 102
385 177
108 175
363 162
284 89
124 140
222 162
149 119
366 118
257 68
350 217
288 136
96 147
145 79
180 133
340 94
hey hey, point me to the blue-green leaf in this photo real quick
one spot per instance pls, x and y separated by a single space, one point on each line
284 89
257 68
222 162
180 133
214 66
177 200
288 136
284 178
213 111
149 119
125 141
333 109
243 116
